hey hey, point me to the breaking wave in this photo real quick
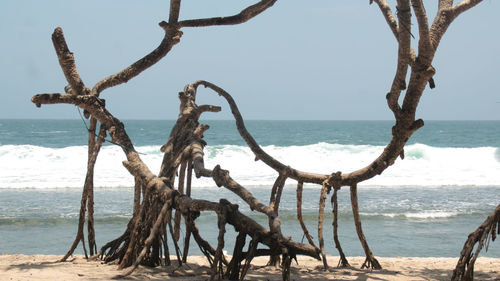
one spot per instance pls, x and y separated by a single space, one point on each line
28 166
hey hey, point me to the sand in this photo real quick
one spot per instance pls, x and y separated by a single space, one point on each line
46 267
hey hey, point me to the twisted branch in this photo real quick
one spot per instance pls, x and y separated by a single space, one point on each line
67 63
175 6
244 16
424 42
489 228
300 187
185 147
171 38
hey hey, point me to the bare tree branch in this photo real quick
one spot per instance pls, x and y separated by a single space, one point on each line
242 17
389 16
147 230
387 158
465 266
254 146
404 30
404 50
67 62
464 5
151 182
175 6
300 187
393 24
445 4
172 37
446 15
424 42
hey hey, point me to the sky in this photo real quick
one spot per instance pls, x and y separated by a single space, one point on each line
299 60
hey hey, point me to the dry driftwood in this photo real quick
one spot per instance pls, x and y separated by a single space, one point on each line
161 201
487 230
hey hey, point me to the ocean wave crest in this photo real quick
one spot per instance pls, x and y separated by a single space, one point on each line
423 215
28 166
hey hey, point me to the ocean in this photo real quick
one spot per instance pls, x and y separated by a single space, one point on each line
422 206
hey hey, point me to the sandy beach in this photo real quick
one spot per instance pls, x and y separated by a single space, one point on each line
46 267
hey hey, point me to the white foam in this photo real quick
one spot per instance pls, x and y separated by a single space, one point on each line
428 214
27 166
431 215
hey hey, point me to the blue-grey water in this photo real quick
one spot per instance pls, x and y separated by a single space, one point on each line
424 205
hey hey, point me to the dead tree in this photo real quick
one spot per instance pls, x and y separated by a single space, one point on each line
487 230
77 87
161 200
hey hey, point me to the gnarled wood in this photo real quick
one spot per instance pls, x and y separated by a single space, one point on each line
88 194
300 187
343 260
171 38
324 190
145 238
489 228
245 15
371 261
67 63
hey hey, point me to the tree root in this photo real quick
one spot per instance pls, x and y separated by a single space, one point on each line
87 200
464 270
370 262
324 190
146 235
300 186
343 260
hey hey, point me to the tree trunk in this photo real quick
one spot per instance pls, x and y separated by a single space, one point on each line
146 235
489 228
343 260
370 261
324 191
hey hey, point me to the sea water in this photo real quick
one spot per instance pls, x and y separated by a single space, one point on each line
424 205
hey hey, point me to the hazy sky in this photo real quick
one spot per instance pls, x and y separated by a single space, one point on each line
322 59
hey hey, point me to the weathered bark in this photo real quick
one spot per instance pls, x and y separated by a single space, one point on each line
152 236
370 261
158 191
187 238
274 204
222 213
488 229
67 63
251 253
175 6
300 187
90 202
171 38
87 200
343 260
180 187
287 261
234 266
146 235
245 15
324 190
77 87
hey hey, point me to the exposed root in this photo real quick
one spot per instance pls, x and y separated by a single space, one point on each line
324 190
370 262
343 260
145 239
300 186
489 228
88 193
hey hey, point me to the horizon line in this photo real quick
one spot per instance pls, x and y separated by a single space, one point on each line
158 119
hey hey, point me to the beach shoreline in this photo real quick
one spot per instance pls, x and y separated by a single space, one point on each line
47 267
